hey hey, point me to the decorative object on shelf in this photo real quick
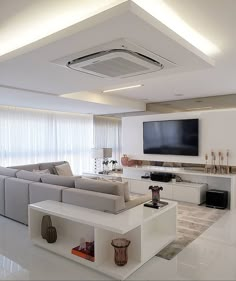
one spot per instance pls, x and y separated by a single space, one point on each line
213 162
46 222
84 250
227 159
51 235
113 163
124 160
101 153
219 168
222 163
120 251
155 194
105 166
206 166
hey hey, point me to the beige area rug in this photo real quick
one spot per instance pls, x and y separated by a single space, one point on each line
192 221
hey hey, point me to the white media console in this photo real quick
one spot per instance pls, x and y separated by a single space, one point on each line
192 189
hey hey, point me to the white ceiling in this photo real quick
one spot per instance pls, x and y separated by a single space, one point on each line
40 82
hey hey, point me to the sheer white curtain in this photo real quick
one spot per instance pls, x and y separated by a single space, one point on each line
28 136
107 133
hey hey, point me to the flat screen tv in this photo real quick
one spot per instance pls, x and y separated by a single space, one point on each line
175 137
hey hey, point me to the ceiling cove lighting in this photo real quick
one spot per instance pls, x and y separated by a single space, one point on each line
199 108
57 15
162 12
123 88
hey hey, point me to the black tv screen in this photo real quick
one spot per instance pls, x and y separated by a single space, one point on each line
176 137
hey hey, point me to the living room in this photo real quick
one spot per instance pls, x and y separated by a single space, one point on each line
117 157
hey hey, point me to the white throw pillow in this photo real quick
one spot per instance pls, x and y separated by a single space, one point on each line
64 170
123 186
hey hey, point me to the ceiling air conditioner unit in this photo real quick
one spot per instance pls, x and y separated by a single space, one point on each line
116 63
116 59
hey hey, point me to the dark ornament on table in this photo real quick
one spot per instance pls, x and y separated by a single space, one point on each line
156 194
51 235
46 222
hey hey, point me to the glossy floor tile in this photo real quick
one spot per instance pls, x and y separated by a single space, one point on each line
210 257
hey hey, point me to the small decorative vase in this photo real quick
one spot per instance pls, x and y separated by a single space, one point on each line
155 194
51 235
124 160
46 222
121 254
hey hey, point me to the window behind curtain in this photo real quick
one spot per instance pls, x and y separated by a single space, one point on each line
28 136
107 133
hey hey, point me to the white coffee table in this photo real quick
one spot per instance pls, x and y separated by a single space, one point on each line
148 229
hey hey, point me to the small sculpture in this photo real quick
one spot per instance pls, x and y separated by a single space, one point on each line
155 194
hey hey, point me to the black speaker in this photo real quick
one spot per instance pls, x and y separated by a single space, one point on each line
163 177
217 199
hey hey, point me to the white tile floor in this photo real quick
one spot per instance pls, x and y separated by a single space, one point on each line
210 257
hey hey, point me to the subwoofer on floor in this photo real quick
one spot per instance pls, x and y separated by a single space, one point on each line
217 199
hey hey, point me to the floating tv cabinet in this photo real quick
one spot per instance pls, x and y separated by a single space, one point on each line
192 189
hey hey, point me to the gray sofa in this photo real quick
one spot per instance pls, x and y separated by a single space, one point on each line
19 186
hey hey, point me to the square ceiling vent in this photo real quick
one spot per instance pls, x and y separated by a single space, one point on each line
117 59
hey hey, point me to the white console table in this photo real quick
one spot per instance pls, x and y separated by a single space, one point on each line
148 229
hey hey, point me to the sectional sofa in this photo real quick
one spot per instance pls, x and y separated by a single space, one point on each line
20 186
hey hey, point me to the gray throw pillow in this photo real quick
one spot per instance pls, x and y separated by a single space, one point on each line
59 180
64 170
99 186
30 176
123 186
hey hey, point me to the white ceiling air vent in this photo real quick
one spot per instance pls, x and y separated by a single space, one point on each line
115 63
118 59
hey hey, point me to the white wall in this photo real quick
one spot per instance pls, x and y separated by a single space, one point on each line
217 131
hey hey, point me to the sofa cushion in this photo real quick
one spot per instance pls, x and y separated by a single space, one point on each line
64 170
122 186
99 186
27 175
43 191
50 166
42 171
59 180
93 200
8 172
29 167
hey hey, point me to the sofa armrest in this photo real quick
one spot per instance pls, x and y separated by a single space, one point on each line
93 200
17 199
43 191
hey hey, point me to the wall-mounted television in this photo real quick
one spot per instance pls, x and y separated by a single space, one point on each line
174 137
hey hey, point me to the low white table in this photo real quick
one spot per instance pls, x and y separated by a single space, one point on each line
148 229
